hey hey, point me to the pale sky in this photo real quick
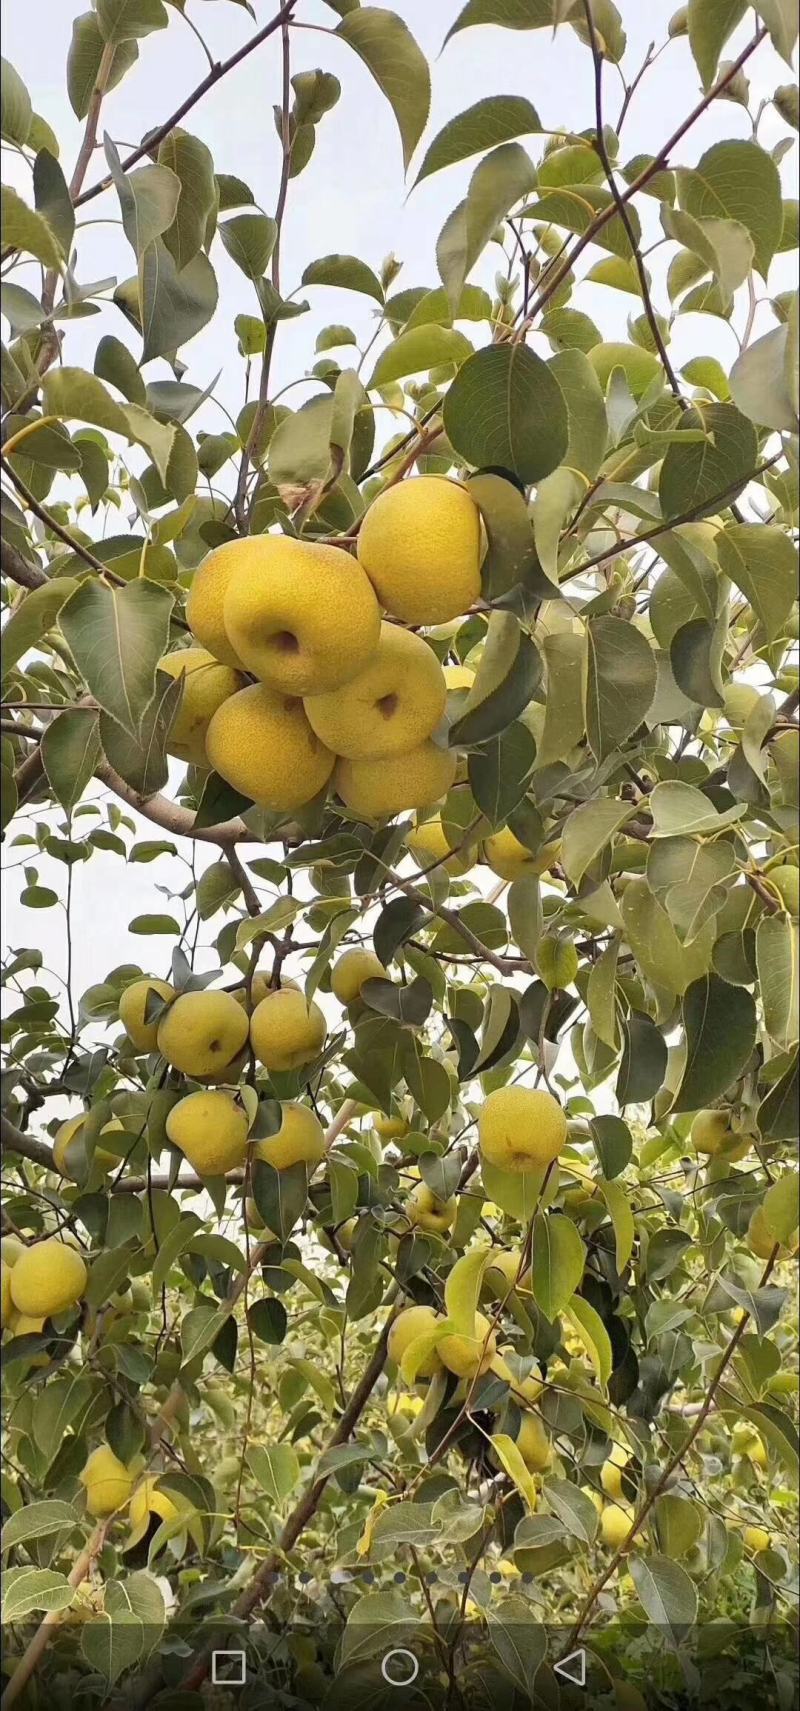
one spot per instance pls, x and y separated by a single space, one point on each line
350 198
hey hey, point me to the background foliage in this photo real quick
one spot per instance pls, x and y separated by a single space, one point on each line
633 721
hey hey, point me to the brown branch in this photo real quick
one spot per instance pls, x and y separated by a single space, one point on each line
17 568
170 816
214 76
243 879
663 1480
13 1139
644 286
654 166
303 1511
55 528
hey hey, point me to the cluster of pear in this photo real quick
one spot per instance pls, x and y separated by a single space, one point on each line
111 1485
38 1282
343 699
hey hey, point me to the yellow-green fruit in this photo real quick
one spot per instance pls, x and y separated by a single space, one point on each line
47 1279
107 1482
375 789
521 1128
786 881
390 1128
533 1443
458 677
615 1524
206 598
300 1139
429 1213
211 1131
756 1539
412 1323
301 615
350 972
259 988
467 1356
505 1266
286 1032
394 703
611 1471
739 699
6 1301
261 743
420 545
70 1131
12 1249
132 1007
746 1441
711 1133
148 1500
429 845
509 859
202 1032
206 685
255 1220
760 1239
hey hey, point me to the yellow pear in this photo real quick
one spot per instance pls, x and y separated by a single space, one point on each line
756 1539
611 1472
12 1248
521 1128
6 1299
429 1213
206 599
286 1032
412 1323
202 1032
503 1273
107 1481
394 703
261 742
420 545
300 1139
206 684
260 986
350 972
148 1500
211 1131
48 1278
711 1133
390 1128
69 1132
760 1239
785 879
458 677
615 1524
132 1008
533 1443
430 846
510 859
301 615
467 1356
376 789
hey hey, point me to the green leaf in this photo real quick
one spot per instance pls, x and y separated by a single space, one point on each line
737 181
601 996
780 17
83 62
117 638
615 1195
28 1589
697 477
126 20
781 1207
777 965
508 674
498 772
720 1025
510 555
662 957
506 409
760 384
280 1195
710 23
519 1641
499 181
148 199
586 412
565 706
763 563
25 230
53 199
33 618
680 809
725 246
613 1145
621 685
70 751
276 1470
575 207
346 273
587 831
666 1592
16 111
113 362
679 1524
147 925
249 240
193 165
644 1060
463 1287
513 14
557 1261
37 1521
494 120
525 914
586 1321
420 348
173 305
399 68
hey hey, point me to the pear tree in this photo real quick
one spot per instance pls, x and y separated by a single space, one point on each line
400 724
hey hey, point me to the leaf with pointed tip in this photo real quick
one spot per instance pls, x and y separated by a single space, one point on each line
505 410
494 120
760 384
720 1025
117 638
622 683
140 757
399 67
558 1256
697 477
513 14
710 23
508 674
737 180
173 305
763 563
499 181
70 752
148 199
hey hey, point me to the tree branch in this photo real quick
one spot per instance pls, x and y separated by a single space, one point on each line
30 1657
54 527
13 1139
212 77
170 816
17 569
